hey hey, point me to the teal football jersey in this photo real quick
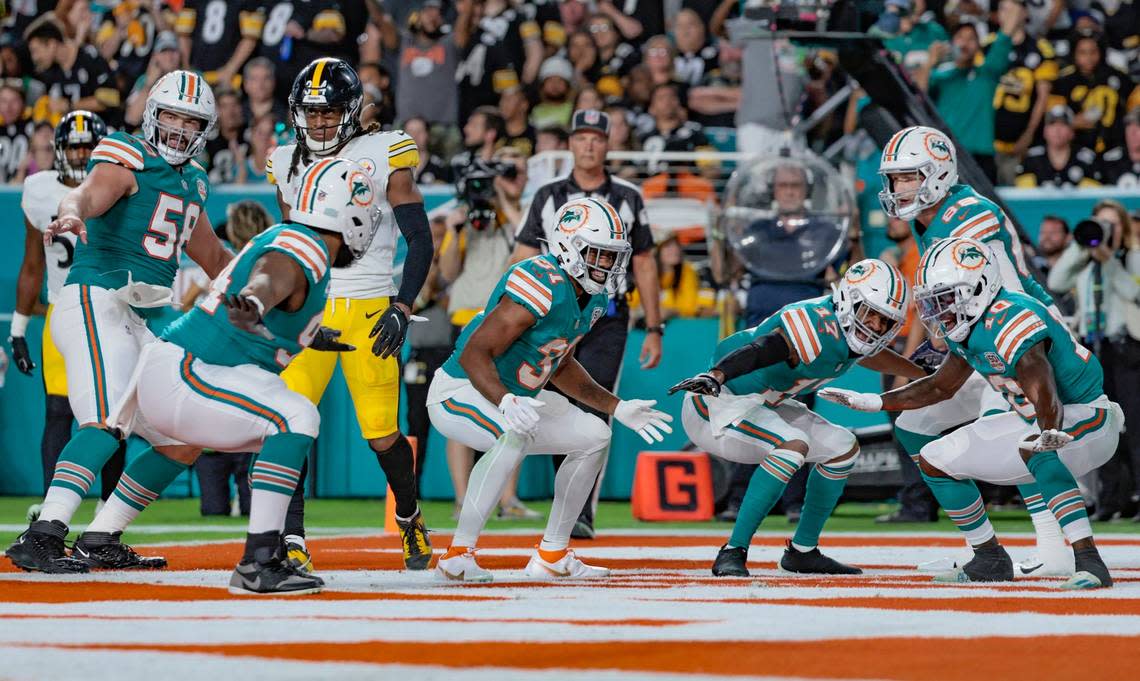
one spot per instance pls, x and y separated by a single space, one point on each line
142 234
1014 323
966 213
207 333
813 330
539 285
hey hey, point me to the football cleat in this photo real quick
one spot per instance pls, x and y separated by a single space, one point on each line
814 563
459 565
41 549
273 577
566 567
989 564
517 510
297 553
1090 573
417 546
731 562
583 528
105 551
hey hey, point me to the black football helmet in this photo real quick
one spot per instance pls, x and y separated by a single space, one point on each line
326 83
78 128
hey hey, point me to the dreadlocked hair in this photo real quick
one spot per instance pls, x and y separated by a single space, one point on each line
302 158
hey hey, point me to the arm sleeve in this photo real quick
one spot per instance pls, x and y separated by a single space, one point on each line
997 59
413 223
1022 330
760 353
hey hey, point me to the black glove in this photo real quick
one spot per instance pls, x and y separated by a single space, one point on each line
928 357
389 332
246 315
702 384
20 354
326 341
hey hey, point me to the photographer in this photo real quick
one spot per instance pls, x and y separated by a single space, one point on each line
1101 269
476 250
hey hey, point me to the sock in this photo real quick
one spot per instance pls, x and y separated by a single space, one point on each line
295 514
485 486
573 484
1045 525
399 465
824 487
912 443
112 471
57 432
551 556
75 472
274 478
764 489
963 503
1031 495
140 485
260 546
1061 495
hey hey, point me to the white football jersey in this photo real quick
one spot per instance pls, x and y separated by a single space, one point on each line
381 153
40 202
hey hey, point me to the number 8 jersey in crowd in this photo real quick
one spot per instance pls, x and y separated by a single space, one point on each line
539 285
207 333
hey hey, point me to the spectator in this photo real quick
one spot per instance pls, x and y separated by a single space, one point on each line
163 59
1120 166
515 108
588 98
1053 237
482 135
695 59
555 94
682 294
615 57
229 148
621 139
583 56
636 19
638 90
910 46
963 91
41 154
126 39
1060 162
1048 19
258 82
671 132
218 37
251 164
428 62
75 76
296 33
17 131
548 17
660 58
1120 22
379 100
495 38
554 138
431 169
1086 86
1021 100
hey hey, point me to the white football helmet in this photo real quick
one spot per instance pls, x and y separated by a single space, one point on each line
870 285
957 280
585 231
338 195
187 93
925 151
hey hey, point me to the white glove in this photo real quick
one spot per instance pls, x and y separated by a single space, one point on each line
1049 441
853 400
520 413
640 416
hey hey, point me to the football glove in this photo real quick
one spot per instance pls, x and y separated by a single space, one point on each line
853 400
928 357
640 417
520 413
326 341
20 354
702 384
1049 440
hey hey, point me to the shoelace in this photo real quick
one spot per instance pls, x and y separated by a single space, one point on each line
47 546
409 538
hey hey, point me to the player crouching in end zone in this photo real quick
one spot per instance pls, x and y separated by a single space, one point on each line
489 394
744 410
1062 426
213 378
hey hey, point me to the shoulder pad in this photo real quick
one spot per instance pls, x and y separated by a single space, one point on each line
121 149
402 151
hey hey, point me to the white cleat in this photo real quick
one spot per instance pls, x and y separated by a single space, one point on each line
1054 565
1081 581
567 567
461 567
946 563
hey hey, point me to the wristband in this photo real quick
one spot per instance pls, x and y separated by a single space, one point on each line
659 330
19 325
260 305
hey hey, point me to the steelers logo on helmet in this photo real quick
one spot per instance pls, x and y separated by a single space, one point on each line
324 105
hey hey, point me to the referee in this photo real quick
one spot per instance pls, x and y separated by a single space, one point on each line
600 352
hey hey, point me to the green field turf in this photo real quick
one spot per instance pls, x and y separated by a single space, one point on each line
327 516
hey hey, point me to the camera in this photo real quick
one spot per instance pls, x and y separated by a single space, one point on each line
1090 233
476 188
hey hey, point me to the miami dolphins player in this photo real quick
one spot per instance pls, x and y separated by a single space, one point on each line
325 107
1062 425
490 393
745 409
141 206
213 381
76 136
919 170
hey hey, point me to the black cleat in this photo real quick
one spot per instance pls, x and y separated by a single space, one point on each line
104 551
41 549
583 528
272 576
814 563
417 546
731 562
989 564
1090 571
